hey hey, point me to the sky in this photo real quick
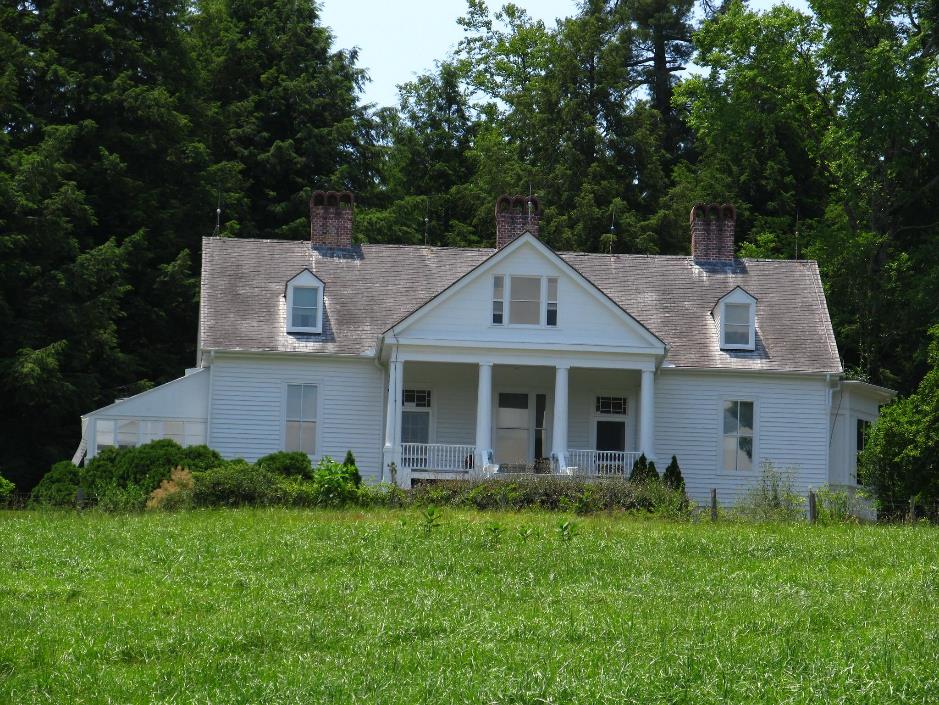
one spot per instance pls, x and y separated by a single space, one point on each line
399 39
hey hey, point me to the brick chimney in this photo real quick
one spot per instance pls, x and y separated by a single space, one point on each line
331 219
514 216
712 232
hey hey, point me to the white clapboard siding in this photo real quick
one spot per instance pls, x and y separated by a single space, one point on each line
248 406
791 428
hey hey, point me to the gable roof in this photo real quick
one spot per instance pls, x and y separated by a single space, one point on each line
530 240
370 288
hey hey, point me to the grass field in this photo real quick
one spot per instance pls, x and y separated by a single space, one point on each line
313 607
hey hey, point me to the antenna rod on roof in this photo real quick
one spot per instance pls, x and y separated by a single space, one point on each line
426 217
218 213
797 233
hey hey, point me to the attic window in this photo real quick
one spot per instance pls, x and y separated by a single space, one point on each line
305 304
531 300
736 319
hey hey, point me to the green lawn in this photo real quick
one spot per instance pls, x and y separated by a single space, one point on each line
314 607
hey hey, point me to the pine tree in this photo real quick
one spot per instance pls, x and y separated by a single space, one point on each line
672 476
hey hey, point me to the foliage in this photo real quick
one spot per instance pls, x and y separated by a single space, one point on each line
58 487
772 498
120 498
672 477
349 462
144 466
901 455
234 483
173 493
834 506
335 483
643 470
7 489
551 493
288 464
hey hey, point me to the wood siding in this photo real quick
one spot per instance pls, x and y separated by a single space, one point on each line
248 407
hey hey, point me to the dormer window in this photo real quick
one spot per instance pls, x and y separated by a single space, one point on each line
735 314
305 303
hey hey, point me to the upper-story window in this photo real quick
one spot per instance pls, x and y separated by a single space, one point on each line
736 318
532 300
305 303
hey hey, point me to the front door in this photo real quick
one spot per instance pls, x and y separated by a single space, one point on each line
520 438
611 435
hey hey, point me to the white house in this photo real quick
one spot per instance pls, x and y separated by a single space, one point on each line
457 362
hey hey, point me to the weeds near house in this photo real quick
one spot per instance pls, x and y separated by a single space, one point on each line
431 517
567 530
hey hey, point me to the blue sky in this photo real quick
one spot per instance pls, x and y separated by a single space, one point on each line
399 39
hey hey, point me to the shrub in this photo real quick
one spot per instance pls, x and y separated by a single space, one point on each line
335 483
114 498
58 487
643 470
174 493
6 490
145 466
288 464
349 462
901 453
672 477
772 498
836 506
234 483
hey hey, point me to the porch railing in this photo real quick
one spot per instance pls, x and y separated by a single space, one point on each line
438 457
602 462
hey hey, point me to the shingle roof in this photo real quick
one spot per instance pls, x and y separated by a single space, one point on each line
373 286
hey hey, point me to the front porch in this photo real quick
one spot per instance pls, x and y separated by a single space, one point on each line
462 420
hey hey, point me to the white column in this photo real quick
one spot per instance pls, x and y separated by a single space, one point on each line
647 414
392 414
559 435
484 416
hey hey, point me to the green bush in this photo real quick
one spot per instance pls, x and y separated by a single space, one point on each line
901 454
772 498
114 498
672 477
234 483
349 462
145 466
643 470
7 489
58 487
288 464
335 483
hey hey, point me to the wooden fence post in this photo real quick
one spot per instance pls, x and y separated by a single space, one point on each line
714 504
813 508
912 510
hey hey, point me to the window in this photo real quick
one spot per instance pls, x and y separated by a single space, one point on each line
305 303
129 433
525 306
738 435
613 406
551 314
303 313
415 416
498 299
104 433
301 418
736 325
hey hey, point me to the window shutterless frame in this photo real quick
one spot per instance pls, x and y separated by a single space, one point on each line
286 414
525 300
732 427
305 303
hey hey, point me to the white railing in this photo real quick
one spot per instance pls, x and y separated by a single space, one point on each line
602 462
439 457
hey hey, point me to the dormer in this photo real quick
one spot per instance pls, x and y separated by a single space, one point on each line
735 315
304 294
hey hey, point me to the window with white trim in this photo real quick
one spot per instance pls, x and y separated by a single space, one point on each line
612 406
128 432
532 300
736 324
498 299
415 416
737 447
305 303
301 418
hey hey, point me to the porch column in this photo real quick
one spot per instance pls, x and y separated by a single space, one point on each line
559 435
392 414
647 414
484 416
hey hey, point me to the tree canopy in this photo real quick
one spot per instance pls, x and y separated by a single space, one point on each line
125 125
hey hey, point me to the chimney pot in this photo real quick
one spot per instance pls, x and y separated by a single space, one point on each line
713 228
331 219
516 215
